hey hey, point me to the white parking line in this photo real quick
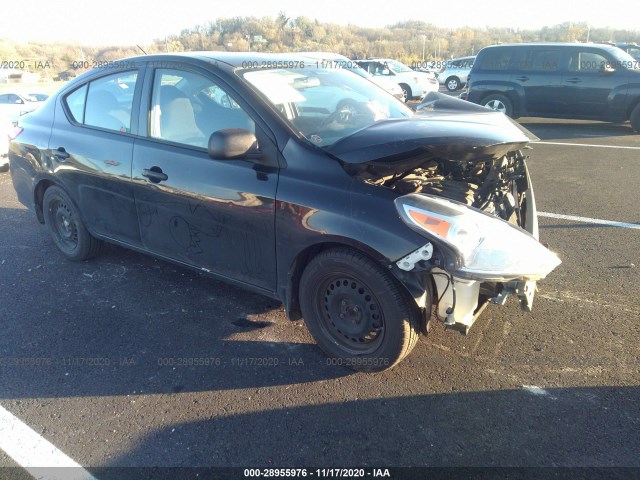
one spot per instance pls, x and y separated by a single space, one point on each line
587 145
35 454
596 221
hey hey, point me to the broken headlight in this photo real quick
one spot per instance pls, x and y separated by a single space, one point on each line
485 247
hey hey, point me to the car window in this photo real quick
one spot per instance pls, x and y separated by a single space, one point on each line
109 102
75 101
4 98
542 60
187 108
496 59
587 62
325 105
105 102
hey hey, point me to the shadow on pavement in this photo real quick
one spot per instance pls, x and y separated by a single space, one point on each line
125 323
546 129
567 427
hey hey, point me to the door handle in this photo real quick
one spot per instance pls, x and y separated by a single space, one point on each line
522 79
61 154
154 174
574 80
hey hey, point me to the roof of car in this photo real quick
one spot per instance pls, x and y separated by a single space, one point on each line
233 59
556 44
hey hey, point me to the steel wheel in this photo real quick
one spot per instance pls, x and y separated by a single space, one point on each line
351 314
65 226
357 311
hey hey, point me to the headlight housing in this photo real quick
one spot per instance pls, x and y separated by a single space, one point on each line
485 247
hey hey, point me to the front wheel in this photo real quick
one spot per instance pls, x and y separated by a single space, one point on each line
67 230
500 103
406 92
357 312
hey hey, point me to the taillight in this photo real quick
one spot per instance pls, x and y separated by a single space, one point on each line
442 70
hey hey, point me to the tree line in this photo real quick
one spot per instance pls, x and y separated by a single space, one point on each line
409 41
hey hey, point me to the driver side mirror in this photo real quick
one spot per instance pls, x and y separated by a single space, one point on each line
232 143
19 100
607 69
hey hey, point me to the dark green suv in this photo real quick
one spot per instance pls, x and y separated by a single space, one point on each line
558 80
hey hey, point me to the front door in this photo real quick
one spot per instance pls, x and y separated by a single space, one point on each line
214 214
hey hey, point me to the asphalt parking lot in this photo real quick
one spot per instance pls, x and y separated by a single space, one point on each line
130 361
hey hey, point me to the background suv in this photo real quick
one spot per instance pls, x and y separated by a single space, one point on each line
454 74
558 80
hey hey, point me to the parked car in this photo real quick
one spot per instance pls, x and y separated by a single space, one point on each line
39 97
454 73
335 60
632 49
5 129
358 219
415 85
13 105
558 80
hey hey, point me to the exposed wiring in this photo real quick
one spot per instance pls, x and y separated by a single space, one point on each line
452 283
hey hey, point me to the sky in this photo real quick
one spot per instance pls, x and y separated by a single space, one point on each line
129 22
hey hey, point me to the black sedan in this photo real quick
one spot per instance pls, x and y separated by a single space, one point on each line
307 184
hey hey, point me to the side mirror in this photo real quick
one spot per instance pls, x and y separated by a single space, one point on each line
232 143
607 69
19 100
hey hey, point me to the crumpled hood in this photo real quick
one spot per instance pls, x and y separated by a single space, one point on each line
443 126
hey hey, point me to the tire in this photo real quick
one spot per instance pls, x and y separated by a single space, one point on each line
634 118
406 90
4 168
499 103
67 230
453 84
356 311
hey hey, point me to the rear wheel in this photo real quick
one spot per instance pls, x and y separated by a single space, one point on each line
67 230
356 311
500 103
634 118
453 84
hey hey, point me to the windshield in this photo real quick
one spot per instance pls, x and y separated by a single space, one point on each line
397 66
325 105
623 59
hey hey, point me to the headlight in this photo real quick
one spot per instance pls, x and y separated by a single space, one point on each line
486 247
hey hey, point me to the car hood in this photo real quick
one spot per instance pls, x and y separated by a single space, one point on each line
444 127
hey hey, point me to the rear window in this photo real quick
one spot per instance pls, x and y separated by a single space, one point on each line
105 102
496 59
542 60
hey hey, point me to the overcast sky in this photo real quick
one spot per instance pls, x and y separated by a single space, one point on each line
141 21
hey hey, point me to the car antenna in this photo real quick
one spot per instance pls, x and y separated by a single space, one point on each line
141 49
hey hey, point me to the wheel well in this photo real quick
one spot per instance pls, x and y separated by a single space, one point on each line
633 105
291 300
39 196
407 87
451 77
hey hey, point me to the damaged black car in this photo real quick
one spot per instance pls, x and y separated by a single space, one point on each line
297 180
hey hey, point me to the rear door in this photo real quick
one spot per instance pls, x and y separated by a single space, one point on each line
91 148
538 74
214 214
